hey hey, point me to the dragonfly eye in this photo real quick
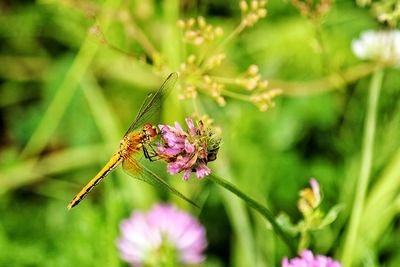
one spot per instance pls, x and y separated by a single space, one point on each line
150 130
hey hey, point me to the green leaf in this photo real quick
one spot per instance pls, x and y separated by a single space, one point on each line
331 215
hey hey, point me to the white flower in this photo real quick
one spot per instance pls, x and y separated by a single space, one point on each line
383 46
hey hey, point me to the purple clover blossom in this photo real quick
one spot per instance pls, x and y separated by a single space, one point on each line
307 259
188 151
144 237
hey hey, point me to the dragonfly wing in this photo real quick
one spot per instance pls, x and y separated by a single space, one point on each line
152 103
138 171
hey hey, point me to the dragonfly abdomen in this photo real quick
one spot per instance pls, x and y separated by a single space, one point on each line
113 162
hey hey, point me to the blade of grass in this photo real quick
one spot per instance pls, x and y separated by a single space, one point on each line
349 254
108 124
171 45
61 100
382 200
385 189
30 171
328 83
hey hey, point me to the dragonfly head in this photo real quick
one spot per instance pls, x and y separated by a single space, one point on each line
150 130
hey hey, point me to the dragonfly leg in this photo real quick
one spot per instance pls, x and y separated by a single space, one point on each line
153 156
153 150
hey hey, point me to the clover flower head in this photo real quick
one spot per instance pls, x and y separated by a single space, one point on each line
188 151
307 259
153 238
382 46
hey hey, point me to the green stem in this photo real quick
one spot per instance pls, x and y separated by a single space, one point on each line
304 240
323 51
171 43
328 83
258 207
135 32
232 35
349 253
236 95
220 47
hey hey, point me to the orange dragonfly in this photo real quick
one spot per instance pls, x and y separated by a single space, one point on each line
135 141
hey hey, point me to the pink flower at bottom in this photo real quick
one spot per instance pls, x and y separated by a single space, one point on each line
144 235
307 259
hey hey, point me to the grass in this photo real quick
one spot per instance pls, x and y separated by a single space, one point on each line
67 98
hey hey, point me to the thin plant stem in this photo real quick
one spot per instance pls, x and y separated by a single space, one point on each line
225 92
328 83
236 95
233 34
381 196
32 171
258 207
349 249
136 33
220 46
323 51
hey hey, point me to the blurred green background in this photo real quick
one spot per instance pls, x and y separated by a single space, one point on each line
66 99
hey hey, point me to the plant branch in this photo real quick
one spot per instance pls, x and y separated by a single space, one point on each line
258 207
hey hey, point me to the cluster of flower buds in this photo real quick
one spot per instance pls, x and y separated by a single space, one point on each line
188 151
215 89
312 9
188 91
252 79
197 31
387 13
189 65
214 61
186 88
96 32
207 120
265 100
253 12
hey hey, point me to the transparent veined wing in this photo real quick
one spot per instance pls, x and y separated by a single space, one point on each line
138 171
152 103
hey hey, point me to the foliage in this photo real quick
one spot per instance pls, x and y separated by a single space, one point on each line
278 79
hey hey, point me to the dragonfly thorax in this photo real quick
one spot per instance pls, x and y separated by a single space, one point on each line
133 142
150 131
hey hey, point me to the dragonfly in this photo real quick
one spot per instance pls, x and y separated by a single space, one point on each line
137 139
